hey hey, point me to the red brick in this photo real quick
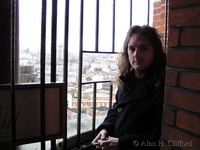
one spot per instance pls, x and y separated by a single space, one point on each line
161 22
162 15
184 58
184 100
173 37
185 17
161 29
190 80
188 122
156 17
162 34
156 11
171 77
174 3
190 37
157 4
162 8
168 116
163 2
173 135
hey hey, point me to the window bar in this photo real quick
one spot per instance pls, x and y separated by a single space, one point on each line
113 32
12 70
100 52
94 109
97 27
110 97
131 10
166 22
65 78
91 82
53 40
148 12
80 74
42 75
53 51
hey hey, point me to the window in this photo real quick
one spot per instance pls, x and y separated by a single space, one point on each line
81 48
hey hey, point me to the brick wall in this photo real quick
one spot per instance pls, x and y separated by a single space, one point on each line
159 17
181 118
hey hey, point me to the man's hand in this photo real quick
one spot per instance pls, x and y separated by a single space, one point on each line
101 136
110 144
105 144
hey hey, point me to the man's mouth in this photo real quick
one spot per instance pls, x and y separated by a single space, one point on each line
137 61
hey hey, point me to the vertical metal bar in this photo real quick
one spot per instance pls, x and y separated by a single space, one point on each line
110 98
113 32
53 144
53 50
17 69
80 74
148 12
97 27
166 22
131 11
94 109
53 40
66 38
12 70
42 74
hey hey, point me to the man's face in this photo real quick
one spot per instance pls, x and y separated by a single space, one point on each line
140 54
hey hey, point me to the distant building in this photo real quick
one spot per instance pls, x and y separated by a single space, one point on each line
27 74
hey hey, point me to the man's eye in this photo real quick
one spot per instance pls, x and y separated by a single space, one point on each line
131 48
144 48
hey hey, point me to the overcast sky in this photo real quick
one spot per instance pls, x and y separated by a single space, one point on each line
30 23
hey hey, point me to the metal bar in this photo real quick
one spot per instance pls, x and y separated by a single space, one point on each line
53 40
113 32
65 78
97 27
90 82
110 98
131 12
80 74
12 70
94 109
53 50
53 144
148 12
42 75
166 22
100 52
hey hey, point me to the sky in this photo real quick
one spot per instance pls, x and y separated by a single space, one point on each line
30 23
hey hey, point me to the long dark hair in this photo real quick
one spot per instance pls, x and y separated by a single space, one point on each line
157 68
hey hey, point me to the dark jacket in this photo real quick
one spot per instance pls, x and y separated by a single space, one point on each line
136 116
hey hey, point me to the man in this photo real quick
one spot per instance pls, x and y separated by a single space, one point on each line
135 120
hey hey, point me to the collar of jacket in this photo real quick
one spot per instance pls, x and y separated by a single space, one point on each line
139 89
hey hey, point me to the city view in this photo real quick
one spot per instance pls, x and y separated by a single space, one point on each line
96 67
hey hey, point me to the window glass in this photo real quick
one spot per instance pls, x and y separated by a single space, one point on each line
99 67
105 25
89 25
29 40
122 23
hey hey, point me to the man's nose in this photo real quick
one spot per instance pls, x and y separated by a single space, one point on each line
136 52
